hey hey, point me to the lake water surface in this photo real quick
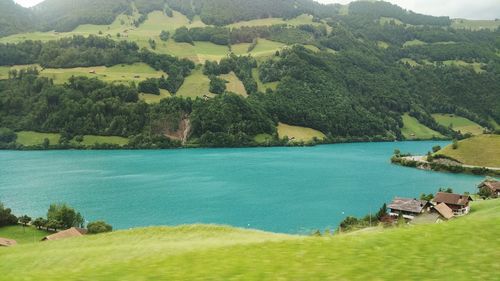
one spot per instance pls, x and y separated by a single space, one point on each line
291 190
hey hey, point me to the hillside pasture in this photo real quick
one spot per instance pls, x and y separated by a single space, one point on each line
415 42
482 150
234 84
29 138
297 133
196 85
476 66
151 99
201 252
475 24
263 86
300 20
413 129
23 235
458 123
121 73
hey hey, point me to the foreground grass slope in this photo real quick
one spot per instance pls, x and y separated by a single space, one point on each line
483 150
463 249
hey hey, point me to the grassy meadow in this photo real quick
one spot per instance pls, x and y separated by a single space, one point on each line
22 235
201 252
151 99
90 140
475 24
300 20
413 129
483 150
263 86
234 84
28 138
458 123
298 133
196 85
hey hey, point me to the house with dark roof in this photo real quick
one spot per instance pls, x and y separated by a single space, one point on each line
407 207
4 242
68 233
458 203
492 185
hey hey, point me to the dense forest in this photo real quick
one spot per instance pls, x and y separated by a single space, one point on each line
357 82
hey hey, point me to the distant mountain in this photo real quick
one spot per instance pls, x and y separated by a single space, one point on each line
14 18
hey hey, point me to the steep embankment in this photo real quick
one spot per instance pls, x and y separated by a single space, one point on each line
464 249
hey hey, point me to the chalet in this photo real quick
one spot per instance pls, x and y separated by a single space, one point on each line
456 202
409 208
4 242
68 233
444 211
492 185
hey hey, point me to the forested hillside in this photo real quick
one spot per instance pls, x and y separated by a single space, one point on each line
351 74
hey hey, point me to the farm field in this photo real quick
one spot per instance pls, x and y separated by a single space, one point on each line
475 24
413 129
298 133
300 20
458 123
23 235
196 85
119 73
263 138
234 84
200 252
28 138
483 150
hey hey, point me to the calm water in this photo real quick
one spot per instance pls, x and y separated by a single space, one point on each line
276 189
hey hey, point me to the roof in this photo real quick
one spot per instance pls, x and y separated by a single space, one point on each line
444 210
408 205
451 198
491 184
72 232
4 242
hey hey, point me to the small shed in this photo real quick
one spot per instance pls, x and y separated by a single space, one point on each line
68 233
4 242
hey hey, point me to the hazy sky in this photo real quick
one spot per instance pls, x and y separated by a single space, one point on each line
471 9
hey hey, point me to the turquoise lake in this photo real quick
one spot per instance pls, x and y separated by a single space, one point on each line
292 190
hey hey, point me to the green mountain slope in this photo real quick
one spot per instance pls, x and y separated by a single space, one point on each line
220 253
14 18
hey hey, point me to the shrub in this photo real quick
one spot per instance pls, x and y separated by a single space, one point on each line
436 148
6 216
7 135
99 227
217 85
149 86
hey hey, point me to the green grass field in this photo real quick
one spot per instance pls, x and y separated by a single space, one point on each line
200 252
386 20
196 85
90 140
300 20
477 66
234 84
458 123
119 73
263 138
413 129
298 133
28 138
415 42
482 150
475 24
23 235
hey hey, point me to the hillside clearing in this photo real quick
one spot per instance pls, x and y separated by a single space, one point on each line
151 99
90 140
413 130
475 24
297 133
300 20
234 84
196 85
458 123
121 73
28 138
202 252
263 86
483 150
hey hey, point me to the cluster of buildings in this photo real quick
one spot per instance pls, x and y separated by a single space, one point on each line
443 206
